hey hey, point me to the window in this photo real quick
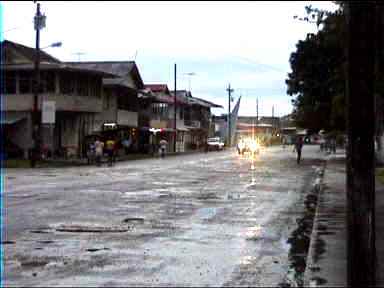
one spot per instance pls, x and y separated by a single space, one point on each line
25 82
160 109
127 101
82 85
181 113
67 84
10 82
95 86
107 94
47 82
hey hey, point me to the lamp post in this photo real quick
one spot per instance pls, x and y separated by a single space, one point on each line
174 115
39 23
229 90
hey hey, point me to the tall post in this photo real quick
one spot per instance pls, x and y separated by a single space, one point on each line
361 251
36 86
257 111
229 114
174 119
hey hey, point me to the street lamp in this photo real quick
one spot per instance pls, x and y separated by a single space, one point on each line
56 44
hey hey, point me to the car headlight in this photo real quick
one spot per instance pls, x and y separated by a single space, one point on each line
254 146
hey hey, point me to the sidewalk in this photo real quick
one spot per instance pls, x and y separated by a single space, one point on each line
59 162
327 255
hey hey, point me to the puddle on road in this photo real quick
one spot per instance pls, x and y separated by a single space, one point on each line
207 213
299 242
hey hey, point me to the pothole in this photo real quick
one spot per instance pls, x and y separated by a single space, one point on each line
207 196
96 249
8 242
40 231
135 220
46 242
91 229
34 263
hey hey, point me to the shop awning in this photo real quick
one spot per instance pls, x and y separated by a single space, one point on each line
11 119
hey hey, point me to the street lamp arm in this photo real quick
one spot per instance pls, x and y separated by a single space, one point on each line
56 44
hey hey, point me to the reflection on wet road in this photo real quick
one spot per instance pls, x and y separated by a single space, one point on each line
212 219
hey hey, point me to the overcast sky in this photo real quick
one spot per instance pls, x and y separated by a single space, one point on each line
247 44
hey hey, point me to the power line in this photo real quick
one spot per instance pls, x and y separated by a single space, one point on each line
256 63
18 27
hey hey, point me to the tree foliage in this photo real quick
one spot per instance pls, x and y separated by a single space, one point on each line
317 78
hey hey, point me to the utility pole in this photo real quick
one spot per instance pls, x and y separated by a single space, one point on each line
39 23
174 122
229 114
257 111
360 52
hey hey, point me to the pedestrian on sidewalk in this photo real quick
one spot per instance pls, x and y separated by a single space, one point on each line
298 147
99 148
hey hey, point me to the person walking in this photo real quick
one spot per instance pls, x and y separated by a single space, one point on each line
99 148
110 147
299 146
126 144
163 147
91 153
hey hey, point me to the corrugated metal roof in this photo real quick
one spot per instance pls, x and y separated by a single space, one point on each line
53 66
206 103
26 51
119 68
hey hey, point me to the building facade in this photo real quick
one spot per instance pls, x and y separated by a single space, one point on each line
76 93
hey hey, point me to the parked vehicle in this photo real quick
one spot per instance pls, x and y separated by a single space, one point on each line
215 144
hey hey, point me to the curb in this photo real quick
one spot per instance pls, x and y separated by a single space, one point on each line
311 250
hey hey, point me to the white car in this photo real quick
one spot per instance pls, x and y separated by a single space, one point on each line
215 144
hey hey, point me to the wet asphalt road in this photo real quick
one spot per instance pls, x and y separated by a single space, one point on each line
212 219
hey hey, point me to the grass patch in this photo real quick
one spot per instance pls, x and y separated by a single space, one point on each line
380 175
